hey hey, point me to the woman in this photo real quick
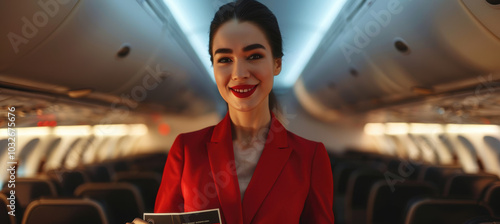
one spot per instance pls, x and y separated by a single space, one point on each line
248 165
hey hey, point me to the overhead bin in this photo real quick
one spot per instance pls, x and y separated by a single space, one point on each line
81 46
389 51
99 49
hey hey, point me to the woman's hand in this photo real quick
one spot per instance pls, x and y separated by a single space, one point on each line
137 221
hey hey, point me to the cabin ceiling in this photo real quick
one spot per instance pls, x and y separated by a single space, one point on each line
302 24
154 52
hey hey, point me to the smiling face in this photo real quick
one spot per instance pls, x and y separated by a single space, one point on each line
244 66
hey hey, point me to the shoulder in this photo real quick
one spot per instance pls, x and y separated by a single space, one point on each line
302 145
310 153
195 137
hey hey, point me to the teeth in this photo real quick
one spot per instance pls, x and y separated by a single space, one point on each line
242 90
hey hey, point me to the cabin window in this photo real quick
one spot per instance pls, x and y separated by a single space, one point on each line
68 161
24 156
472 151
449 148
494 145
3 149
468 145
430 150
418 154
51 148
100 151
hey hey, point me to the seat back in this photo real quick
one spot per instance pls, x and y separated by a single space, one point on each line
30 189
358 187
5 217
491 197
121 201
148 184
387 205
74 211
68 180
150 162
341 175
438 175
98 172
444 211
483 220
468 186
356 197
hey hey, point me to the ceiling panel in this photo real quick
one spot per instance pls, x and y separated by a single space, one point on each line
302 23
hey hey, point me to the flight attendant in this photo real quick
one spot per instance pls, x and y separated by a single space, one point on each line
248 165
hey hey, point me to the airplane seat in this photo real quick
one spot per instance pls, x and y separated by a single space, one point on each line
359 154
121 201
150 162
482 220
98 173
75 211
491 198
446 211
341 174
148 184
468 186
438 175
334 158
55 183
29 189
366 157
120 165
4 211
358 189
386 204
67 180
408 170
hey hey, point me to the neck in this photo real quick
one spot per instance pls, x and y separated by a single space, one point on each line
250 125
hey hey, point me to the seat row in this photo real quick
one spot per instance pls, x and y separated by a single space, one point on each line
123 189
376 189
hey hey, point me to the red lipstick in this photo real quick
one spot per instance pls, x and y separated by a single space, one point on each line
243 91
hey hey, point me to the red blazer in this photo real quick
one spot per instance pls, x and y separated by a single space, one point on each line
292 182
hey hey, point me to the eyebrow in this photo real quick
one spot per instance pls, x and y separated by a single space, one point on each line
247 48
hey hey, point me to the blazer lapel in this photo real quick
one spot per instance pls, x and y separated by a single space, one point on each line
221 157
273 159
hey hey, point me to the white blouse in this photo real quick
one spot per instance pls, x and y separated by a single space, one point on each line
246 159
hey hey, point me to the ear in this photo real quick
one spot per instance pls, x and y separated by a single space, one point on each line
277 66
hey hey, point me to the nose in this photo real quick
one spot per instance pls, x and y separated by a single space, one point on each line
240 71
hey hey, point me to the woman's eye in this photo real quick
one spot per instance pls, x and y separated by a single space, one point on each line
255 56
224 60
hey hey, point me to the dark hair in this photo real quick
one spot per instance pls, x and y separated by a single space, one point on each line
258 14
